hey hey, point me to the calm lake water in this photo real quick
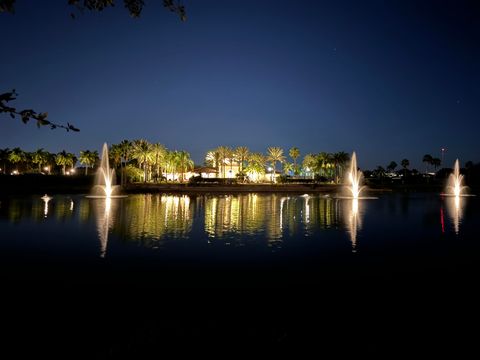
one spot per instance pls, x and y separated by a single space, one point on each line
236 227
246 269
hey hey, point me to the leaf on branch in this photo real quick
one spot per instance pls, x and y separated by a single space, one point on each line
42 122
8 96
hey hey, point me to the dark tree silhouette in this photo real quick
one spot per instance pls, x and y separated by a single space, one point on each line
134 7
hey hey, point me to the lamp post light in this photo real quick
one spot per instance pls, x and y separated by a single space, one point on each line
270 171
443 154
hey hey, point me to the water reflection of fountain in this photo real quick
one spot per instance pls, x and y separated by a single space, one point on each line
455 206
104 186
105 219
353 221
45 199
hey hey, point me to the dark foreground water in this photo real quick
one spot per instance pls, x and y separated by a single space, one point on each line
150 274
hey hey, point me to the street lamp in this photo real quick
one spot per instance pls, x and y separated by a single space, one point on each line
443 154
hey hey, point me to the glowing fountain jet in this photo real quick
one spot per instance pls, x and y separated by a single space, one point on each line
355 177
455 181
105 179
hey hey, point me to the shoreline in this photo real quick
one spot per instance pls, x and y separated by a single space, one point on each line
25 185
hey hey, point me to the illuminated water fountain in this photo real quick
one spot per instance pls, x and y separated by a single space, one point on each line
455 190
105 179
355 177
354 181
455 185
352 211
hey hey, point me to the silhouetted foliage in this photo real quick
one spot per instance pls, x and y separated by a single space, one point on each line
134 7
27 114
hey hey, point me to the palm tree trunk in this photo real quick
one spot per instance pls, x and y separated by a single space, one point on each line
86 169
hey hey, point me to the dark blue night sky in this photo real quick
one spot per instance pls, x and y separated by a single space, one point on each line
388 79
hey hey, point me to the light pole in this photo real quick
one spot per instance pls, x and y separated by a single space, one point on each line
443 155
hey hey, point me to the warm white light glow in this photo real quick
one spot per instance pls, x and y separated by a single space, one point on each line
354 178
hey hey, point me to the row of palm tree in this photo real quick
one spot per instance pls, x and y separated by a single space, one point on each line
430 160
329 165
35 161
154 160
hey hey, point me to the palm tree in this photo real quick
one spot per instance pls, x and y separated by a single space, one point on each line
340 159
392 166
184 163
256 164
142 152
158 153
62 159
436 162
324 164
125 150
275 154
213 159
427 159
287 167
171 162
88 158
308 164
241 154
4 156
40 157
405 164
224 153
17 156
294 153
